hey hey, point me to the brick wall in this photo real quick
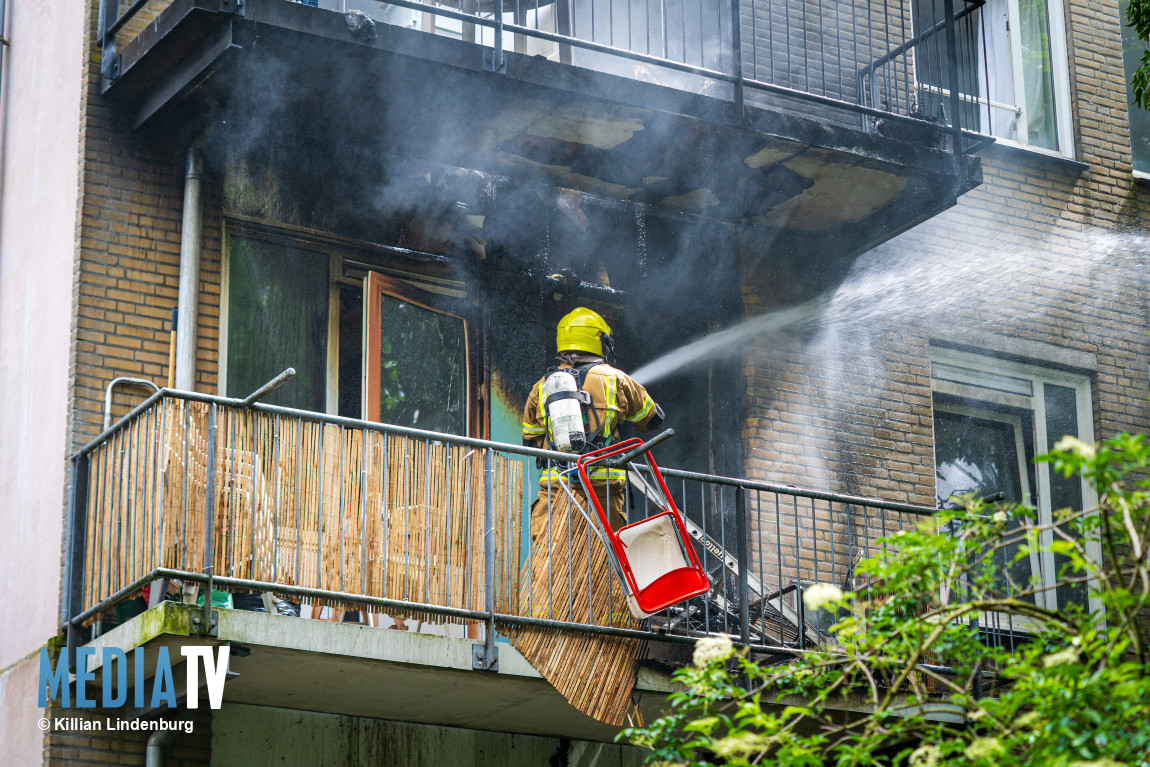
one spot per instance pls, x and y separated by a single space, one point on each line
127 259
126 275
1045 250
844 405
100 747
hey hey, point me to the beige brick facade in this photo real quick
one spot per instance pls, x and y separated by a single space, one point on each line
1044 251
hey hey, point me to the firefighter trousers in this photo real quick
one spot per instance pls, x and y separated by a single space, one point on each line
612 497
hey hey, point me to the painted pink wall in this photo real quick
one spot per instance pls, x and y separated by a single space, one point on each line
39 149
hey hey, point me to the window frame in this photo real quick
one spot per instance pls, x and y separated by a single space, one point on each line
977 391
331 364
1130 38
424 279
1060 75
377 285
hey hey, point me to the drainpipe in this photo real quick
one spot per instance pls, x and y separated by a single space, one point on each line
3 45
154 756
189 273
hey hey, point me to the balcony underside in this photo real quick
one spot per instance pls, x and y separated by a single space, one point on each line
363 671
282 67
338 668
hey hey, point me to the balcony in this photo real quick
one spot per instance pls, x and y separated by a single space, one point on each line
823 125
335 515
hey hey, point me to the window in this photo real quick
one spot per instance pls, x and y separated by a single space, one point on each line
991 417
373 335
416 359
1132 50
1013 75
277 310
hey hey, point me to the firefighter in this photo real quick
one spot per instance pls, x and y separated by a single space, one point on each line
607 396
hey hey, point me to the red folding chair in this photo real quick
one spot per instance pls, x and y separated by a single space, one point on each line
654 557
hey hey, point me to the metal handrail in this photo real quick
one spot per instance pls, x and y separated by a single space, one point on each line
735 562
735 76
523 450
926 34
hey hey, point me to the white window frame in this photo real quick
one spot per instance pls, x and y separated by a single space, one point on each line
996 381
1060 66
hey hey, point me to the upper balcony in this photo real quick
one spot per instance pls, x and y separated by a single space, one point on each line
828 126
332 514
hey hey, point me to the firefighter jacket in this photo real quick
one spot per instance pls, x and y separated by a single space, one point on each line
615 397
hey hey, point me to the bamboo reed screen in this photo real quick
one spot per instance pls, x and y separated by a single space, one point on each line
299 503
570 579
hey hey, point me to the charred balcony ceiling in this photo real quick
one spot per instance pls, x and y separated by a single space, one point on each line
273 67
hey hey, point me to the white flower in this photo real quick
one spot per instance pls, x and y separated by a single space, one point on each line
925 756
1069 444
1000 517
742 745
814 597
710 650
981 748
1069 655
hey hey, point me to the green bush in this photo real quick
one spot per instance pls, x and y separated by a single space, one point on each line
909 660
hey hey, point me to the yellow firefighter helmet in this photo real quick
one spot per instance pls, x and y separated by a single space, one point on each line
582 330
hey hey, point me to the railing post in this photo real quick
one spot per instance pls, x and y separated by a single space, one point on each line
74 558
205 624
484 656
744 564
737 56
109 66
801 610
494 60
952 76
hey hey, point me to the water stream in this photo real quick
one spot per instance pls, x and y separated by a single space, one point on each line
898 284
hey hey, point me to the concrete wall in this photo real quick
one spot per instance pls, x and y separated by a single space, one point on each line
39 141
254 736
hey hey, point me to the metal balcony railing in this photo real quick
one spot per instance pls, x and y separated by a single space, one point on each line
837 61
237 495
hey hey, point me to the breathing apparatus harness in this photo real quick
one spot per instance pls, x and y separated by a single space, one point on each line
565 408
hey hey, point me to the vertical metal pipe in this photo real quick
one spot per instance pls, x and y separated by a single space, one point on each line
722 575
161 470
365 445
744 563
109 11
570 573
342 510
498 53
255 462
189 273
150 469
230 447
717 494
952 77
276 502
779 551
489 554
3 45
73 603
800 608
299 437
815 538
427 520
209 516
758 535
